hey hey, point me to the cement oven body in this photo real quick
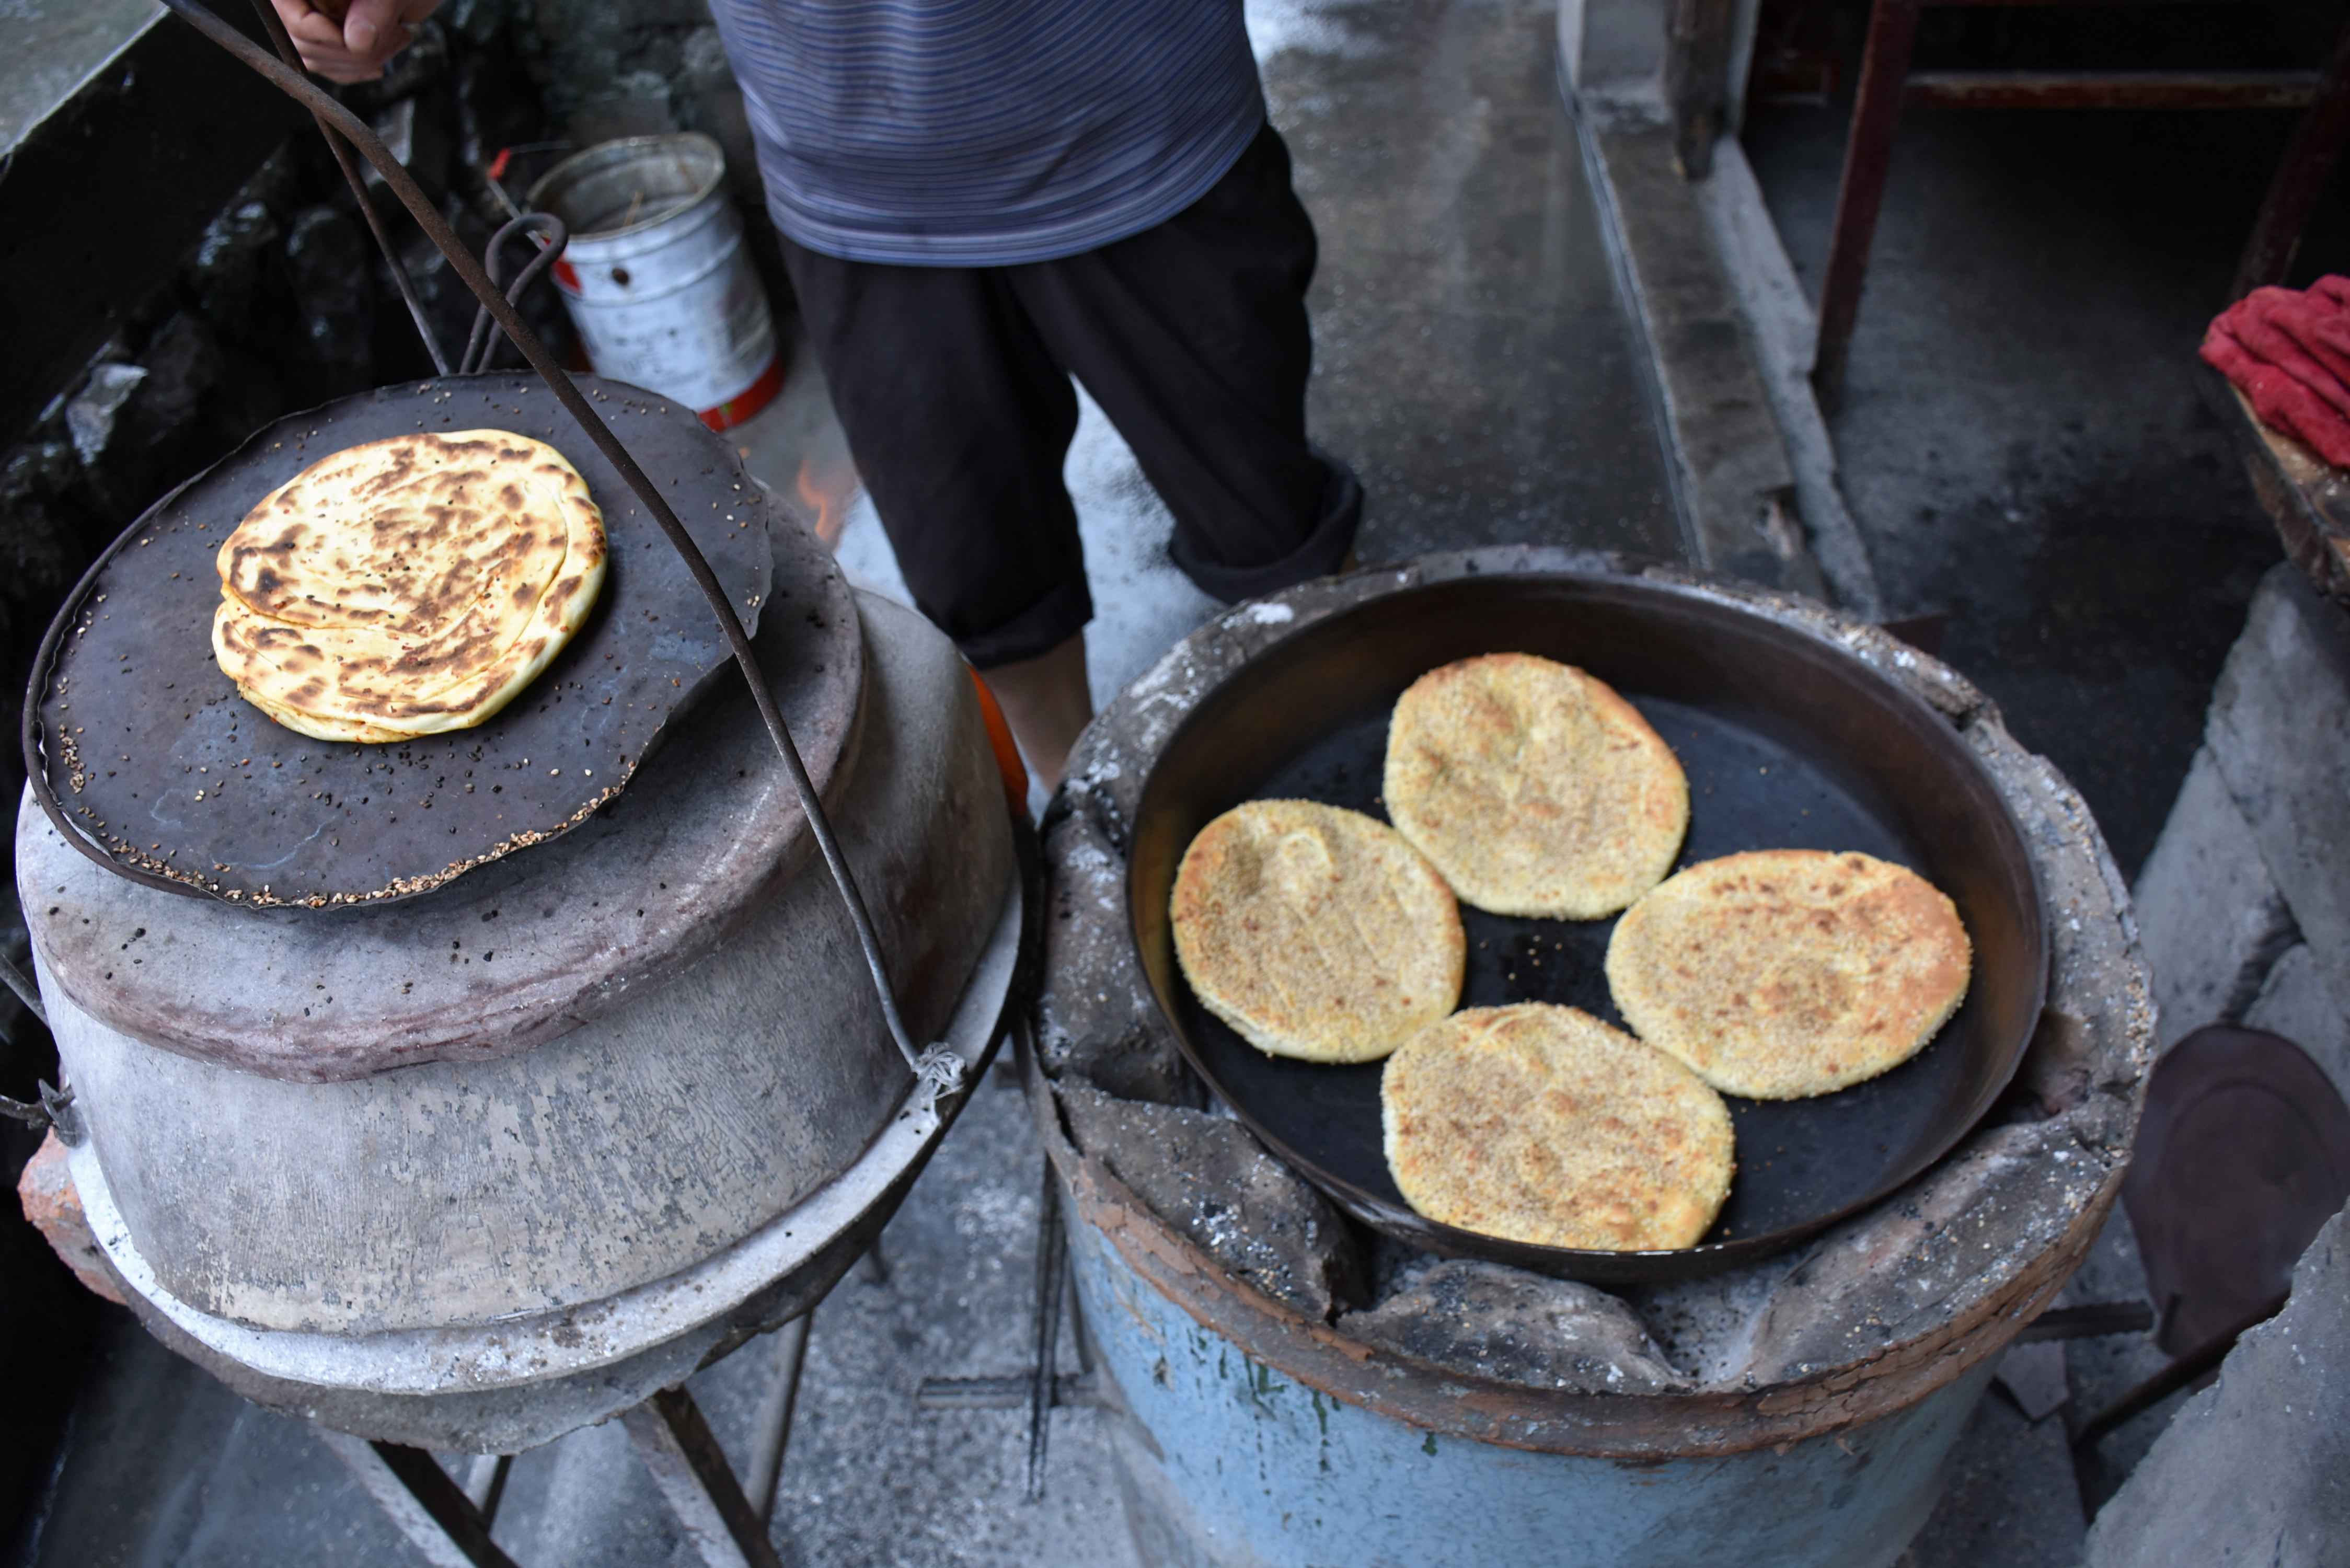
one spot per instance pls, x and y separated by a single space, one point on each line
1252 1436
1229 1462
640 1154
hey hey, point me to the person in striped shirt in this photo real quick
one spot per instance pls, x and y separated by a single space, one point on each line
980 199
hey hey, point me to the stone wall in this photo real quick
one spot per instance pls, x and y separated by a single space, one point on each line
2244 911
2245 902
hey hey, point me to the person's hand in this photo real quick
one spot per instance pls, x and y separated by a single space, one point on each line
350 40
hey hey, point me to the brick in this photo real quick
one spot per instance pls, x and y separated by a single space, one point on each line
47 1191
2297 1003
1503 1322
1209 1179
2280 731
1096 1016
2211 920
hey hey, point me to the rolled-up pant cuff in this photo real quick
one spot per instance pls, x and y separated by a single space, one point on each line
1043 627
1318 555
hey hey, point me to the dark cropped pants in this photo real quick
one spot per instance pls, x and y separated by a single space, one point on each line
953 384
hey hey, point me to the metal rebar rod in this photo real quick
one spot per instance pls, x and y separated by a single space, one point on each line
686 1462
485 1484
482 342
26 991
771 1433
1051 1249
2201 1359
430 1509
334 144
937 1066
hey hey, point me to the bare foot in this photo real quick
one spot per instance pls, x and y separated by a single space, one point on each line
1047 701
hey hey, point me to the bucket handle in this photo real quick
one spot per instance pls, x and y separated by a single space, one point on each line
552 237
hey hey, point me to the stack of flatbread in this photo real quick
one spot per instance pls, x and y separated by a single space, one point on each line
408 587
1528 787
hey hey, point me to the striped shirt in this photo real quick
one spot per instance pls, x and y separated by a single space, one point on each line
988 132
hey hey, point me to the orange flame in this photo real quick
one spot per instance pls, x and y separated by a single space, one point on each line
828 488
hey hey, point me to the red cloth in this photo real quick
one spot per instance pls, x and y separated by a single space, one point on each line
2288 354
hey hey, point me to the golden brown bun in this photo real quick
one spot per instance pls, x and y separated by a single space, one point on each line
1315 932
408 587
1789 972
1534 787
1541 1124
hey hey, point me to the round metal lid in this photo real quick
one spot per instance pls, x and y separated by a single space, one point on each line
520 952
144 754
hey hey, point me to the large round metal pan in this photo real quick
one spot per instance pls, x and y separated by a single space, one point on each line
147 759
1788 743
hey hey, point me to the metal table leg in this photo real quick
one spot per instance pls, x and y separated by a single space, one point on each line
430 1510
773 1430
687 1464
450 1523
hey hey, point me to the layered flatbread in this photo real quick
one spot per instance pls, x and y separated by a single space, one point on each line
1315 932
1534 787
1784 973
408 587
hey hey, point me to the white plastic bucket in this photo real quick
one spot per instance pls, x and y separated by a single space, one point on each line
657 278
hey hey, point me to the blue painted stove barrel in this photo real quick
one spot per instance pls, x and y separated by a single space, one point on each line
1229 1462
1251 1436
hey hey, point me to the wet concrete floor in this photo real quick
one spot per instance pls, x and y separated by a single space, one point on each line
2021 439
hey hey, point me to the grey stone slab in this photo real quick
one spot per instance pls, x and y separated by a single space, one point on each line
1471 358
2033 1377
1612 46
2256 1469
1782 331
1733 479
2212 921
2280 729
2297 1003
2010 1500
54 45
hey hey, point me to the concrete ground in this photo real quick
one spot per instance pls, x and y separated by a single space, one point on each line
2021 448
2021 440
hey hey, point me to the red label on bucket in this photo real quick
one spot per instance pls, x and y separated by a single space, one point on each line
749 400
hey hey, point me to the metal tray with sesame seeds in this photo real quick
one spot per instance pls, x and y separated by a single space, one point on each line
142 752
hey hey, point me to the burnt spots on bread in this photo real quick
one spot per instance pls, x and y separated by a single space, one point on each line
434 579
